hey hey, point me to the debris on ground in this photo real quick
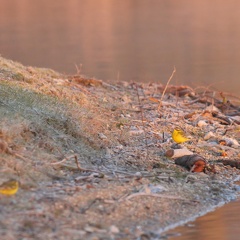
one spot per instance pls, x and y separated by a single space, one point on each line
96 160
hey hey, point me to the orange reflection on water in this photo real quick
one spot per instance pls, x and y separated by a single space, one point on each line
222 224
127 40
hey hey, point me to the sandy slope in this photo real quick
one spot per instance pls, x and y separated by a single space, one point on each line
90 156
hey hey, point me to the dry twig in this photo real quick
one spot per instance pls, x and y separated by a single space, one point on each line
152 195
160 102
77 163
143 124
64 160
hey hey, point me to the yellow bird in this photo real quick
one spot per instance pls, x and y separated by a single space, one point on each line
179 136
9 188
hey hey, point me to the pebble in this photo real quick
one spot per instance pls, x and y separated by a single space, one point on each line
209 135
102 136
212 108
202 123
231 141
136 132
138 174
156 188
114 229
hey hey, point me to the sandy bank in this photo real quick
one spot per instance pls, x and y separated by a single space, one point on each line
90 155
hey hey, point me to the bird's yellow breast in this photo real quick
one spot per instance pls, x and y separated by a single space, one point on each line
178 136
9 188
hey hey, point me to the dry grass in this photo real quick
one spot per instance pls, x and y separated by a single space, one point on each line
80 147
46 117
43 121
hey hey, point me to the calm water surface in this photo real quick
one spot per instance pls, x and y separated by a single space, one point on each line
140 40
222 224
127 40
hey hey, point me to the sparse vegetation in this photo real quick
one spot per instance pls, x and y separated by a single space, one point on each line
90 156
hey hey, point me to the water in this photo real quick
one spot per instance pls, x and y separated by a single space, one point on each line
222 224
127 40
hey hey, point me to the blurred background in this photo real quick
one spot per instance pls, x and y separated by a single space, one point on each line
130 40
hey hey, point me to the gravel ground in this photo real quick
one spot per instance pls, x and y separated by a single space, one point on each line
91 156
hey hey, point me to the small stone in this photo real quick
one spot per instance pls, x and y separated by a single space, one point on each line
102 136
114 229
138 174
231 141
202 123
136 132
213 143
157 188
212 108
209 135
89 229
